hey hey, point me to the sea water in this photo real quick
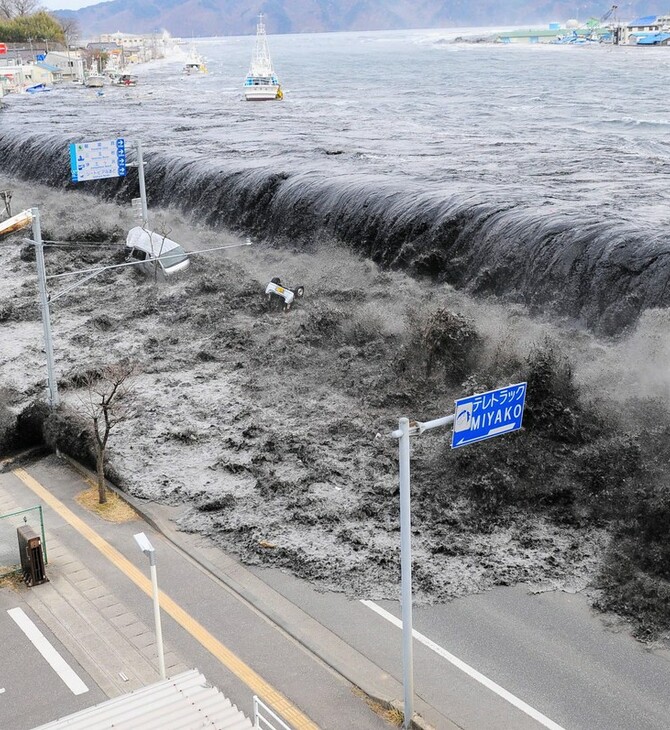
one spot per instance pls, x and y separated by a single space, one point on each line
538 172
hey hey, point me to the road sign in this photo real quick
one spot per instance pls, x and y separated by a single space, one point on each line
3 48
41 56
97 160
485 415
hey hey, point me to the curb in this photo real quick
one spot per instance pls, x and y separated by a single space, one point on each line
34 452
418 722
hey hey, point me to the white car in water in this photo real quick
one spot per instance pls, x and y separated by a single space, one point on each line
158 253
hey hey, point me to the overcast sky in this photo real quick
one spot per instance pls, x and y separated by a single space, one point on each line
67 4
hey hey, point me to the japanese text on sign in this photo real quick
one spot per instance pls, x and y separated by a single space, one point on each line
97 160
489 414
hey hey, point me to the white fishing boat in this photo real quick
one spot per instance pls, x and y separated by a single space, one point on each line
194 64
261 83
95 81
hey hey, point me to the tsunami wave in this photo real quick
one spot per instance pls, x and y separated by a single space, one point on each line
603 274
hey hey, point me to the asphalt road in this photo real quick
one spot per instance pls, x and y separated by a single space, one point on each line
30 690
554 662
550 650
326 698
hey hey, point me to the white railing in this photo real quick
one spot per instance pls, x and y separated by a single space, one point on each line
265 718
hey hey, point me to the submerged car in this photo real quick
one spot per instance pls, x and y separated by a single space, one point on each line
158 253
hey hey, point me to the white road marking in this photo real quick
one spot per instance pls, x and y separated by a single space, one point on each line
41 643
2 689
460 664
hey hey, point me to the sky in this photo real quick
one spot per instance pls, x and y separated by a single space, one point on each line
67 4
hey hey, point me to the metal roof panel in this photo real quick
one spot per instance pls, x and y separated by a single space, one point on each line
186 701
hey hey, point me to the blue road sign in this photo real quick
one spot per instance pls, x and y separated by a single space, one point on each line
485 415
97 160
41 56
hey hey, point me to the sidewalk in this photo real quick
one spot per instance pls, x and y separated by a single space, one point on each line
92 623
109 641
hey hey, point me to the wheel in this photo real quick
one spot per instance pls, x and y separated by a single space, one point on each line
299 291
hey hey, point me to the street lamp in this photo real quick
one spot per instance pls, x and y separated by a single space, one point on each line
147 548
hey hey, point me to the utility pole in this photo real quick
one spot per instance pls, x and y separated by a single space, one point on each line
52 384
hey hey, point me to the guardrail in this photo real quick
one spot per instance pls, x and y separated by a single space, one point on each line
264 717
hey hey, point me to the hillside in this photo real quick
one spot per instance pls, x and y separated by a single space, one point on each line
228 17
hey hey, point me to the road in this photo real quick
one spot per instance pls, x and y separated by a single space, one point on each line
524 661
550 650
29 688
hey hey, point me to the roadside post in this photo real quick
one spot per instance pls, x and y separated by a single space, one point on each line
476 418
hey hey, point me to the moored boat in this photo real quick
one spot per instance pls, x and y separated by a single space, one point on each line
262 83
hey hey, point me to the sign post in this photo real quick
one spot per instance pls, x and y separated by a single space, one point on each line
476 418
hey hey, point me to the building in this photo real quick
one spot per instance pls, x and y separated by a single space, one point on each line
112 53
649 30
70 64
12 73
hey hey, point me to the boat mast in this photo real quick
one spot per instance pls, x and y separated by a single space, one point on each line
261 63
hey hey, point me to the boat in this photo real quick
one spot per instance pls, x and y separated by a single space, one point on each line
261 83
36 89
95 81
121 78
128 80
194 63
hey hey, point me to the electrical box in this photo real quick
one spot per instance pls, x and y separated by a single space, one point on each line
32 556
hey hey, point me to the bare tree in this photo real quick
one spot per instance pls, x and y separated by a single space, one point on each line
108 401
6 9
71 29
17 8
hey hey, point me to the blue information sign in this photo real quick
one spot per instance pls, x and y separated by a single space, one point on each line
483 416
41 56
97 160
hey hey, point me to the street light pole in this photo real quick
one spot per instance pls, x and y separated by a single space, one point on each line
147 548
52 384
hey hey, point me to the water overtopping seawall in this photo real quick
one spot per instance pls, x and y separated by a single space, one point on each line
603 273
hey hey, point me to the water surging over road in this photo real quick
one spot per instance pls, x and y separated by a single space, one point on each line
498 183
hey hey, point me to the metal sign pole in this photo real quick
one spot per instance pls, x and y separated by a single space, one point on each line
406 572
52 385
476 418
143 190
